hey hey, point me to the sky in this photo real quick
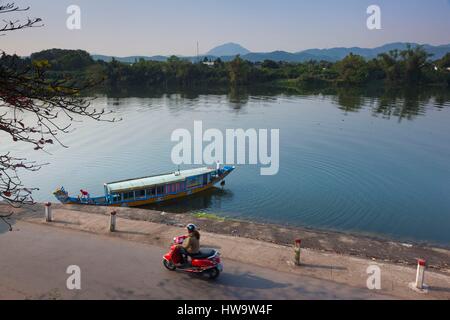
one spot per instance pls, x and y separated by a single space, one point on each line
151 27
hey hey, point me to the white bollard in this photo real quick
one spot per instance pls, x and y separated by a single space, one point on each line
419 285
48 212
420 274
112 225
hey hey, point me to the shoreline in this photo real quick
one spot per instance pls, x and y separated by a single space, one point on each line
326 230
326 241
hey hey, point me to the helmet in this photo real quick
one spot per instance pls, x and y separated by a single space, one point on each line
191 227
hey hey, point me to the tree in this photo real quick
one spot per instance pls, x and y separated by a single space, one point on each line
238 71
35 109
406 66
389 63
353 70
270 64
64 60
444 62
414 60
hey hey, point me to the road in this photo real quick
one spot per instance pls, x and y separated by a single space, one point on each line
34 260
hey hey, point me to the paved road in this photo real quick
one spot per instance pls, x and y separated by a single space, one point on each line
34 259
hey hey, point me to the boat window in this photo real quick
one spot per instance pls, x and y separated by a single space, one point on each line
151 192
172 188
128 195
140 194
194 181
160 190
117 197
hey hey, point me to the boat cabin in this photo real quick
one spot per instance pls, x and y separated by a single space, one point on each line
160 186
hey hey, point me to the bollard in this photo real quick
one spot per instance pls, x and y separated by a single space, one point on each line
112 225
48 212
420 274
420 277
298 242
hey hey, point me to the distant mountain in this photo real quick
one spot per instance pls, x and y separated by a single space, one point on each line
228 49
340 53
283 56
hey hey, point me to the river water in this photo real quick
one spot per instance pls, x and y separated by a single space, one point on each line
375 164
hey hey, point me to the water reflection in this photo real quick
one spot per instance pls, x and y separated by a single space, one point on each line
238 98
198 202
402 103
366 174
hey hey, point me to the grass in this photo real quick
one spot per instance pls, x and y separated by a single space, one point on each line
208 216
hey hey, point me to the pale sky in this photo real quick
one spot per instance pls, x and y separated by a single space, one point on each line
150 27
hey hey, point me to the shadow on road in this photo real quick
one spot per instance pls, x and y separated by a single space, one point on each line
248 281
63 223
320 266
439 289
135 233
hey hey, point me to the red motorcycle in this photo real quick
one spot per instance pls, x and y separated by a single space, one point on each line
207 261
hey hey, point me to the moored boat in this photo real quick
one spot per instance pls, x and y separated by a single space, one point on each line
153 189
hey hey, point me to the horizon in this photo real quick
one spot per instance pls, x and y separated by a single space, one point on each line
207 53
148 29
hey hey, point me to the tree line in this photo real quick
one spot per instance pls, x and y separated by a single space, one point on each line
413 66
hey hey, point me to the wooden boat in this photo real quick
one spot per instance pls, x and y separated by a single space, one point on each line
153 189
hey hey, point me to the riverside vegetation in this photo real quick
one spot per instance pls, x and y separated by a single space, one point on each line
410 67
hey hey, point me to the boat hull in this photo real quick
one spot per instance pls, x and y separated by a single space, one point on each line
140 203
65 199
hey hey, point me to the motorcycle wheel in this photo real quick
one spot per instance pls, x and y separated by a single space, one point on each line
213 273
169 265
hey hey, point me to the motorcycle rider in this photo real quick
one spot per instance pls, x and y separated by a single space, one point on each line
191 245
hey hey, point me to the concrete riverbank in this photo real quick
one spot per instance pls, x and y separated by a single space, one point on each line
340 258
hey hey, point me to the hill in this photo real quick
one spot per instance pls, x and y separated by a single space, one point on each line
229 51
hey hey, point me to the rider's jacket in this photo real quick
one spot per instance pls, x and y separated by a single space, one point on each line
192 244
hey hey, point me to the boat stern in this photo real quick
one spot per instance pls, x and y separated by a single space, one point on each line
61 195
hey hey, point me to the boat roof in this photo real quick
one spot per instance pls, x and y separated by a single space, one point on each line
142 183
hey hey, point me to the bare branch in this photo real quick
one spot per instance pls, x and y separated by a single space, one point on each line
34 108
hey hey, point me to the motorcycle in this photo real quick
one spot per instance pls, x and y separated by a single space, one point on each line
207 261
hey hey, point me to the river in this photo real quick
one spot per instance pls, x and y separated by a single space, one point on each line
371 163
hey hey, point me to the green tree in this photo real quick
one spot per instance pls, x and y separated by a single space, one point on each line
352 70
415 60
390 65
444 62
238 71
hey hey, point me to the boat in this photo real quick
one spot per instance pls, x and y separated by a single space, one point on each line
152 189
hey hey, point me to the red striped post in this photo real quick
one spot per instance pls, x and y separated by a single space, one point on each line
419 284
420 276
